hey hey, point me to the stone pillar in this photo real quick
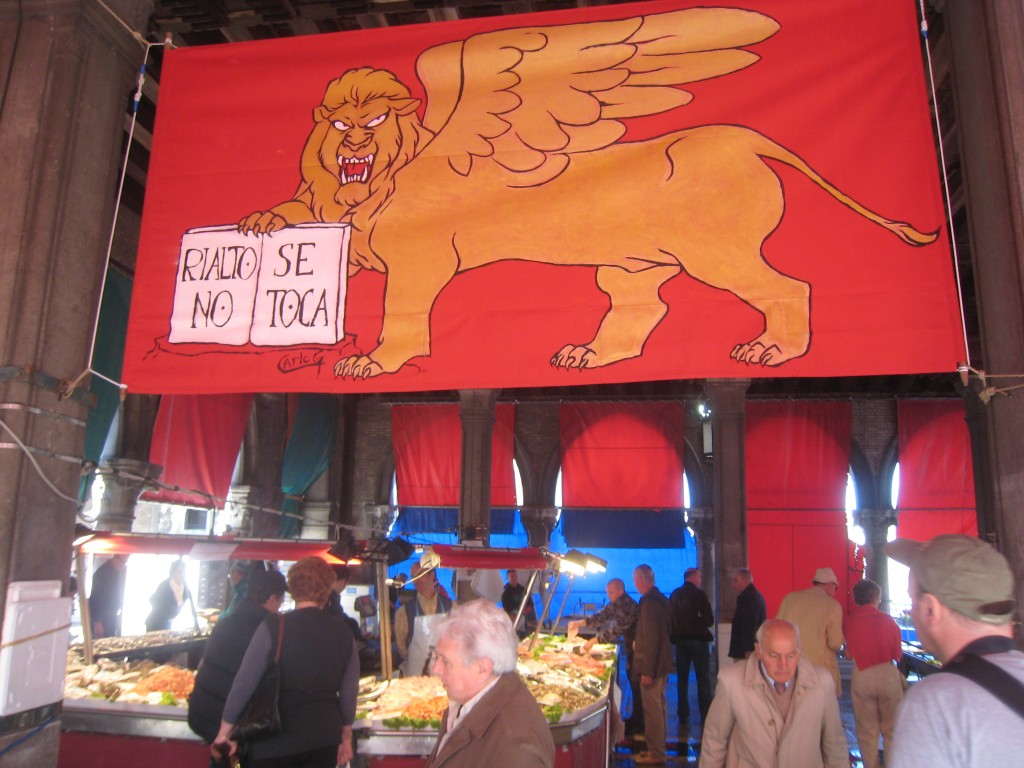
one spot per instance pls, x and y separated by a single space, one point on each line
539 525
316 524
875 524
727 398
121 489
477 416
987 44
236 512
976 413
264 510
265 443
701 520
138 417
69 69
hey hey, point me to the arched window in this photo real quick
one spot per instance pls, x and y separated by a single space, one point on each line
853 532
898 573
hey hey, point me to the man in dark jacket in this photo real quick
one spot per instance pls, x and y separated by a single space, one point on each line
691 620
107 597
652 657
513 596
343 575
750 615
224 651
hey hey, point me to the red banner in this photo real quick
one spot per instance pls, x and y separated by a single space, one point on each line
547 199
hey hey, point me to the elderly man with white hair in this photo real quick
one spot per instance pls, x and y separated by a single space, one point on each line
774 710
492 718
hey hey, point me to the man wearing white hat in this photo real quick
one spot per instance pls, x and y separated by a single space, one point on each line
819 617
972 713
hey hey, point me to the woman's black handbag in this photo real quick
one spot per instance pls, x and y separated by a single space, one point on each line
261 716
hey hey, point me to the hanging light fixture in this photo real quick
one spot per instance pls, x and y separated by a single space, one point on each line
573 562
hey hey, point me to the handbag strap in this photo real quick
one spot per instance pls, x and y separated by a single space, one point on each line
996 681
280 636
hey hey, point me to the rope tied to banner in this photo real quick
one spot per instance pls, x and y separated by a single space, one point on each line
68 387
945 178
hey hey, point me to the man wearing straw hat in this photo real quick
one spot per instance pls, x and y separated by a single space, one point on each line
819 617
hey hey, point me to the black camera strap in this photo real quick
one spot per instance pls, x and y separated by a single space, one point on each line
1004 686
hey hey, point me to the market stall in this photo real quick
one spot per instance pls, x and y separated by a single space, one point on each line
126 698
123 698
398 719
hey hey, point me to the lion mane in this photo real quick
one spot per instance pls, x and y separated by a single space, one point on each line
328 199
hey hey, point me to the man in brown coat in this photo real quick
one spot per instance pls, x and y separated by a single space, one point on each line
492 718
819 617
652 661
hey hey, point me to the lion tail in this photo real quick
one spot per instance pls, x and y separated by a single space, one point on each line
902 229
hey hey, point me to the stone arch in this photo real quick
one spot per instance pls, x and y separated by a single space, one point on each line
864 478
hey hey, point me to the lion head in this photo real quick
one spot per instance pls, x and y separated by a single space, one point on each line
365 130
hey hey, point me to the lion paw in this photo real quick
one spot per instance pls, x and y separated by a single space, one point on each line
574 356
357 367
756 353
262 222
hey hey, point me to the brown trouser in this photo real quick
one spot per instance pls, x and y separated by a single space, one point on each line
655 716
876 692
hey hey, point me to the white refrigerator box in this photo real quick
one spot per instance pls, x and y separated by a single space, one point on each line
35 646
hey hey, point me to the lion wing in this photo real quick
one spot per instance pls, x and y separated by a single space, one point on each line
529 98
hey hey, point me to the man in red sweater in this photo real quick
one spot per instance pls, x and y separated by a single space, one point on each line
873 641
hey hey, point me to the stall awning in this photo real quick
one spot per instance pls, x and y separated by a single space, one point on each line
203 547
453 556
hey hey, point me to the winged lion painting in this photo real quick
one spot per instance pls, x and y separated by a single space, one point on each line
520 155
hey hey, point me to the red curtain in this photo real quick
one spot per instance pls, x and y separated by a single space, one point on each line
936 472
196 440
427 441
622 454
797 460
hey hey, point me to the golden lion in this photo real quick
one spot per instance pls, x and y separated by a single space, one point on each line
523 124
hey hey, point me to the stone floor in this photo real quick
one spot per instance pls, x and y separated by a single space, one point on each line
686 751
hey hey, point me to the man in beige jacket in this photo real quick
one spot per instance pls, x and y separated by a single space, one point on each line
774 710
819 617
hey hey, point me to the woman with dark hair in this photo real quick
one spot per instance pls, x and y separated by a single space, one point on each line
168 599
319 680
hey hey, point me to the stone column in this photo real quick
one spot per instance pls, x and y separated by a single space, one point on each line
121 489
987 45
539 524
265 443
875 524
236 512
701 520
68 70
477 416
727 398
977 416
265 503
138 417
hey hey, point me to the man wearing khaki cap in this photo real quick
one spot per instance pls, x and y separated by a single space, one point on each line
819 617
963 609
